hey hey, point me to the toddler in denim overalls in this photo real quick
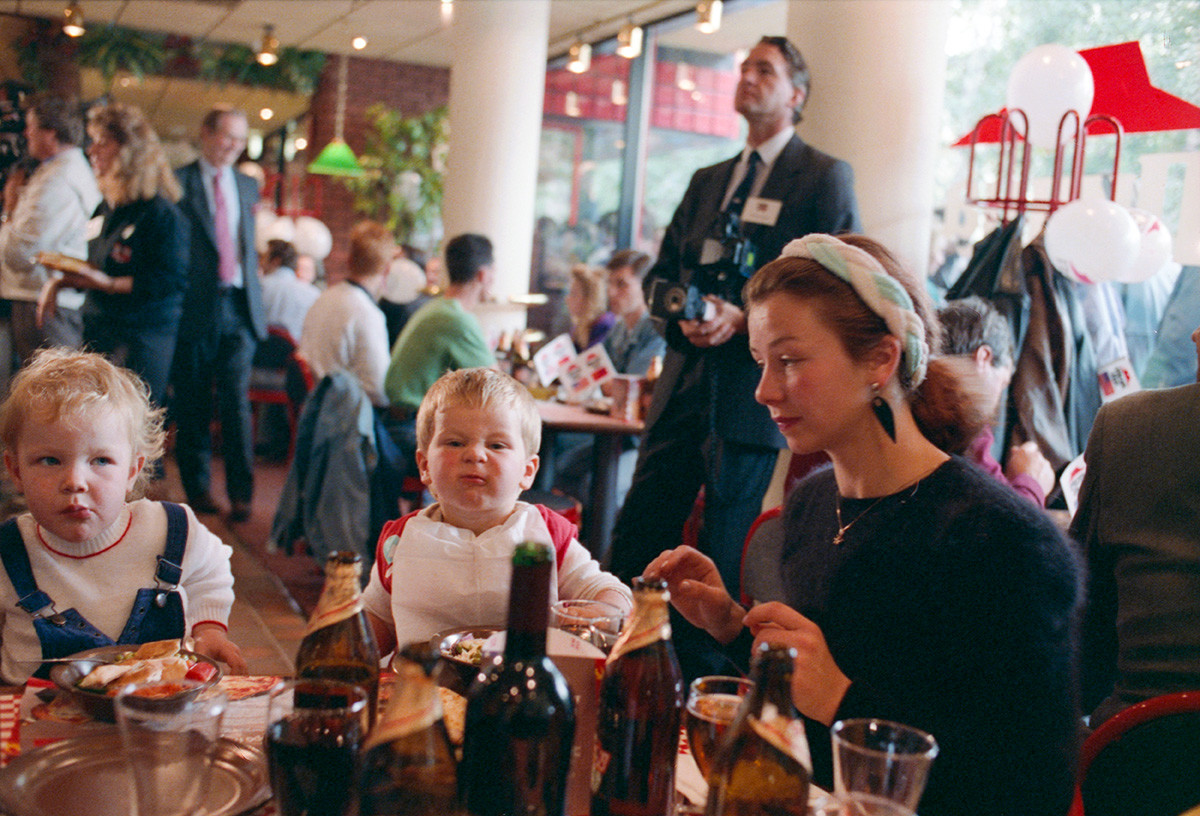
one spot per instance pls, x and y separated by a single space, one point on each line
87 566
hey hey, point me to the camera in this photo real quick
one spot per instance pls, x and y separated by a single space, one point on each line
677 301
726 263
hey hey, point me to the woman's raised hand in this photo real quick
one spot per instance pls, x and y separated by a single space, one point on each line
698 592
818 685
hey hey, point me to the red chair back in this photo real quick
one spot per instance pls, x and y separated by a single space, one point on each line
1143 760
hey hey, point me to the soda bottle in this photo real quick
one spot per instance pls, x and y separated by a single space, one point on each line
408 763
763 764
520 715
641 702
338 643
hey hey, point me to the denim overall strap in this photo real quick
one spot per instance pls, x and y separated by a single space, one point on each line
158 611
60 633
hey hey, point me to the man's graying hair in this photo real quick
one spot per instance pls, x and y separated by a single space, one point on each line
797 68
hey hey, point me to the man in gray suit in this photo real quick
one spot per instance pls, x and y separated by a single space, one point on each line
1138 522
223 317
704 427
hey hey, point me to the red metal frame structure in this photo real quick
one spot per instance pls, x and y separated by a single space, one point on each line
1012 197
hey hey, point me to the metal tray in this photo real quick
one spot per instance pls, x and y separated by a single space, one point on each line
88 776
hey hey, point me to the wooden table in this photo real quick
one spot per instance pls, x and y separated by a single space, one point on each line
608 433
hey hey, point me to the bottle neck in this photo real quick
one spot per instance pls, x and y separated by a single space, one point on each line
528 612
414 705
341 597
649 623
772 693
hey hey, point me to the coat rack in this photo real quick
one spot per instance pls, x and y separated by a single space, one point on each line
1011 194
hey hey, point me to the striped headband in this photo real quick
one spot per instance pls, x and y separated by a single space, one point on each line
882 293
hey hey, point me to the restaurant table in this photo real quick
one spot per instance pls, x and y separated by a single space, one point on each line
608 434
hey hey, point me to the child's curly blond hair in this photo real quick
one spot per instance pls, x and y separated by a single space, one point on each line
60 383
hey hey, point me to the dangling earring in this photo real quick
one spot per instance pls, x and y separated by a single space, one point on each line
883 412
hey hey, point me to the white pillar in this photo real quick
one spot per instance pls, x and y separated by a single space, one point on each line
497 81
878 74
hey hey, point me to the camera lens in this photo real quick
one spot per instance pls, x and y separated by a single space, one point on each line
674 301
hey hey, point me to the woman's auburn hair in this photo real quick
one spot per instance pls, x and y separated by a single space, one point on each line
950 405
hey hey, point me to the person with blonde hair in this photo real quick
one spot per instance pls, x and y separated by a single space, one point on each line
137 263
587 304
450 564
90 563
916 588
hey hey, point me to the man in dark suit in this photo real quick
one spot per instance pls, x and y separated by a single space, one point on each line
704 427
223 317
1137 523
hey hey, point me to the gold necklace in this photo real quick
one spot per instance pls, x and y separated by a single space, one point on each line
842 528
840 536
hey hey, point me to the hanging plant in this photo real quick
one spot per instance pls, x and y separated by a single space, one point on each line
404 157
111 49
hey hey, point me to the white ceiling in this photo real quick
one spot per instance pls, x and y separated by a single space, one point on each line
401 30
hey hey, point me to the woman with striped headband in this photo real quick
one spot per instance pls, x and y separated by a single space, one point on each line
918 589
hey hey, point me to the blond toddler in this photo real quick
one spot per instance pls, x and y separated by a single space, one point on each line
449 564
89 565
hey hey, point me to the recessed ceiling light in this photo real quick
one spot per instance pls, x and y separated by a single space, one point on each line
266 114
359 43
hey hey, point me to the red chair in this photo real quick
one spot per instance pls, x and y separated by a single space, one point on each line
761 559
1144 760
280 376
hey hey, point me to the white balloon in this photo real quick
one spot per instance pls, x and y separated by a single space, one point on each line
1046 83
312 238
264 227
1154 249
1092 240
281 229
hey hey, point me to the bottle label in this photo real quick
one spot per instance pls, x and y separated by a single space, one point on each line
600 760
401 720
651 630
341 598
786 734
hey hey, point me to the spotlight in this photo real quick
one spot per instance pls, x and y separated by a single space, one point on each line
268 51
708 16
579 57
629 41
73 21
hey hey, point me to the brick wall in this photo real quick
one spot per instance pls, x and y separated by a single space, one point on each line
411 89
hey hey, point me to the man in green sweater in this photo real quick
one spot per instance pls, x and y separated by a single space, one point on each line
443 335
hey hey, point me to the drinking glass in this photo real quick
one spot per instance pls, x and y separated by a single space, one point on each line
711 705
169 732
314 731
597 622
879 764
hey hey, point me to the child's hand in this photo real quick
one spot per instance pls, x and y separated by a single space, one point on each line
211 640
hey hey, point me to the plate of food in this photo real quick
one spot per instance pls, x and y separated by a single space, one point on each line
91 679
463 652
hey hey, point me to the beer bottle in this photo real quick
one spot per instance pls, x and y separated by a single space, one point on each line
641 702
408 764
763 764
520 715
338 644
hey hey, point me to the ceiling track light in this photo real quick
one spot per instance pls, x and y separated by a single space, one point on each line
73 21
268 50
579 57
629 40
708 16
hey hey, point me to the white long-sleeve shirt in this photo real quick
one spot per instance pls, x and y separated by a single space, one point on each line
445 577
51 215
345 330
100 579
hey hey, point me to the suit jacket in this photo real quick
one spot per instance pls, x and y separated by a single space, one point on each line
817 195
200 302
1139 524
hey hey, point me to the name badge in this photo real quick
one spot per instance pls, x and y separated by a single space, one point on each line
92 230
763 211
1117 379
